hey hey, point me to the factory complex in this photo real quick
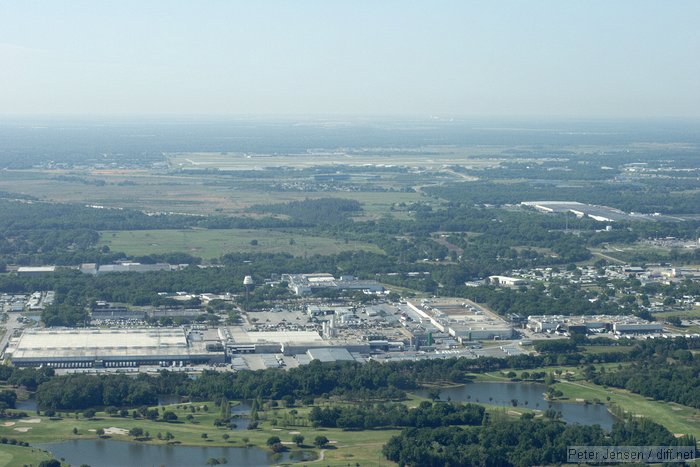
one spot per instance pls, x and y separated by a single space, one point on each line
173 347
619 325
464 320
268 339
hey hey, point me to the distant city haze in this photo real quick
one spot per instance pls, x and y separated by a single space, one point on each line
607 59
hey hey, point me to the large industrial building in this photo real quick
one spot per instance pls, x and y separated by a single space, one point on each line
35 270
618 324
94 269
105 348
305 284
238 340
598 213
465 321
464 332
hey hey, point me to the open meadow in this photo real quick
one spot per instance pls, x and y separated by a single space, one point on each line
187 194
209 244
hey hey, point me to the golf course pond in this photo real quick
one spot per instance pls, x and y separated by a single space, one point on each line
109 453
528 395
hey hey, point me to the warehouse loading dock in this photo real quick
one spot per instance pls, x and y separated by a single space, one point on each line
106 348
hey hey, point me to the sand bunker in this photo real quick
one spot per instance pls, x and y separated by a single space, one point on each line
295 432
23 429
9 424
31 420
113 430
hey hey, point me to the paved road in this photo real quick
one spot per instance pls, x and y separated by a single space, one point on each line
11 324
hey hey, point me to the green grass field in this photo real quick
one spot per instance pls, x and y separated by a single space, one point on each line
363 447
193 194
13 456
214 243
677 418
597 349
692 313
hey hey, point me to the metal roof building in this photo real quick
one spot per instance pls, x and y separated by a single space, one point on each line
35 270
86 348
330 354
239 340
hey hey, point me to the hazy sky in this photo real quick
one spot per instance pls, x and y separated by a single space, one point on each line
607 58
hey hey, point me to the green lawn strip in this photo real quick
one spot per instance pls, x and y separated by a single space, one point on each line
13 456
598 349
675 417
692 313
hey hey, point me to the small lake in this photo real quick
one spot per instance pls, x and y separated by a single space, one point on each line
529 395
28 405
242 408
109 453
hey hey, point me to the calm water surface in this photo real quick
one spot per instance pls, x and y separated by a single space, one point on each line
109 453
530 395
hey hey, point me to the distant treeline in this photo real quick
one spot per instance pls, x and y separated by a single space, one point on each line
313 211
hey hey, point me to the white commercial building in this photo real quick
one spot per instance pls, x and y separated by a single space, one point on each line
126 347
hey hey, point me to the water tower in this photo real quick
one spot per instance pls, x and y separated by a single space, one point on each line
248 283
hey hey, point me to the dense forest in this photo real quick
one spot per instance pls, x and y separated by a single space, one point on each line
313 211
525 442
427 414
663 372
347 380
